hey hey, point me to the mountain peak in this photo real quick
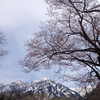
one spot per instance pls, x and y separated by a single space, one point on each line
19 82
43 79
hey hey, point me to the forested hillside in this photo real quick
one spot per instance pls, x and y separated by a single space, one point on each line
16 95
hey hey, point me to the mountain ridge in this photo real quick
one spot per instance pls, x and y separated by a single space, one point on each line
45 85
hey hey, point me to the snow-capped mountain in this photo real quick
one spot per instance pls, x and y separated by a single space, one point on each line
50 87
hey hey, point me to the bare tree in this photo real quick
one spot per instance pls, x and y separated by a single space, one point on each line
70 40
3 42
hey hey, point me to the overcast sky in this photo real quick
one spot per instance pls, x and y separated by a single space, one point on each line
19 19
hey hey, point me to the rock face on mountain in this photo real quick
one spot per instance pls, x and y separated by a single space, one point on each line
50 87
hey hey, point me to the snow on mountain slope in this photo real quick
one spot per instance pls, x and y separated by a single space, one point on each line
82 90
45 85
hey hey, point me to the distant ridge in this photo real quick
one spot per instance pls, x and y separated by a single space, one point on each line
45 85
